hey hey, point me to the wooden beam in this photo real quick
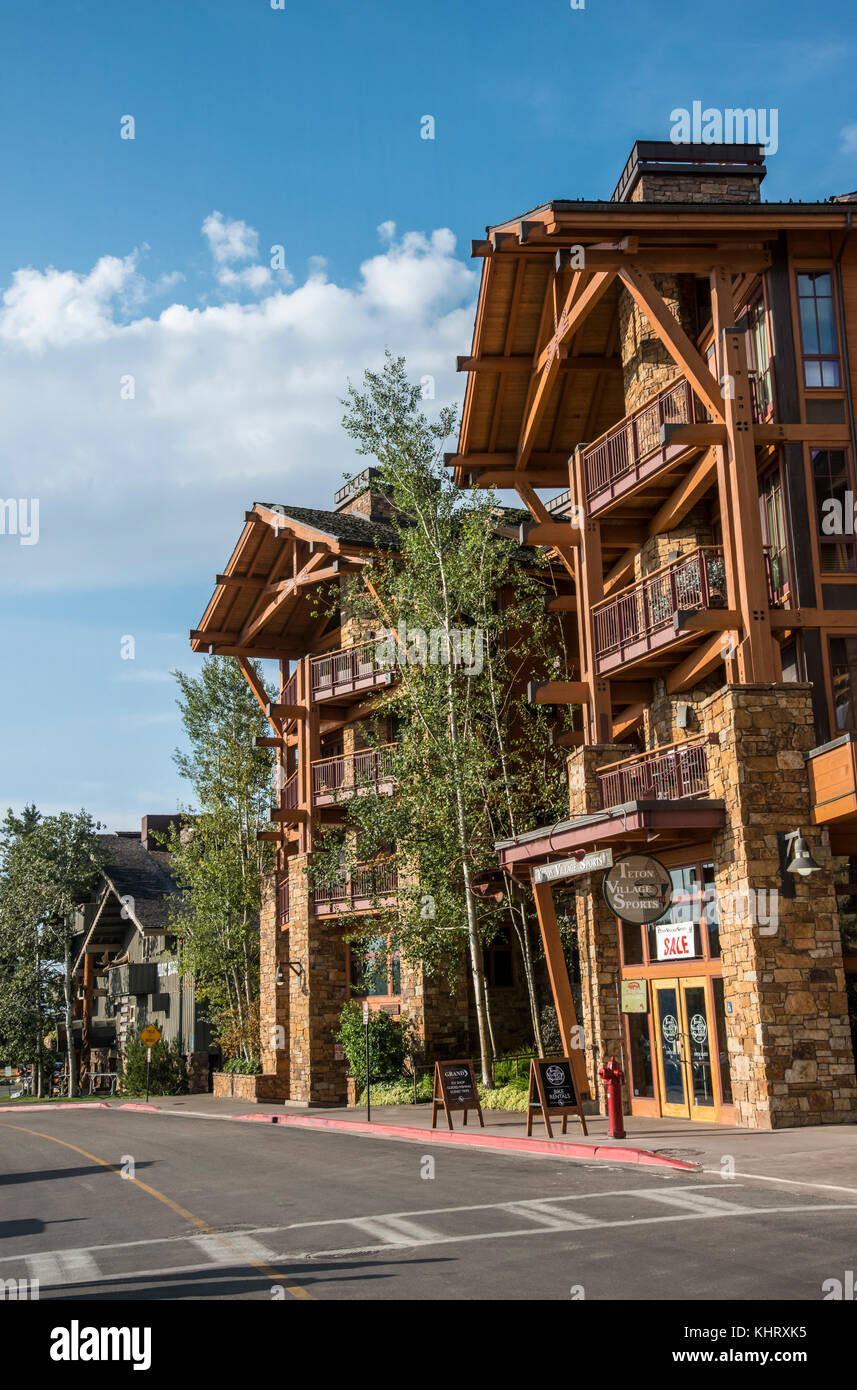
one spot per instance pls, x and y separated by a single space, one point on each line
496 460
711 620
258 690
697 666
563 603
620 571
644 293
559 533
794 618
798 434
560 985
627 719
236 581
261 742
681 260
574 312
558 693
496 362
539 511
685 496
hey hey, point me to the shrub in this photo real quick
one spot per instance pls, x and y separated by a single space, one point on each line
400 1092
511 1097
167 1074
243 1066
390 1043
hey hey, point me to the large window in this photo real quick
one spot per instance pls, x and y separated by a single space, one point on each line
774 536
818 329
375 969
843 664
754 322
834 507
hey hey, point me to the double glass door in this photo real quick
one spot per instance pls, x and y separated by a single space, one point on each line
683 1047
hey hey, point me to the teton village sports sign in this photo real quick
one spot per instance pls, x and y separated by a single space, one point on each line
638 889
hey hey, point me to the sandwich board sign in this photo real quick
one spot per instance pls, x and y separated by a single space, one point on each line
553 1092
455 1089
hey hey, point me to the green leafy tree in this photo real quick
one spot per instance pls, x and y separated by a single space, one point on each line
217 860
48 867
468 751
167 1071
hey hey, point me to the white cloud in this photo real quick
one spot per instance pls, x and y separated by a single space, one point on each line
230 241
253 277
232 403
848 139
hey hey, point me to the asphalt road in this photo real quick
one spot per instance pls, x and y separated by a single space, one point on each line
224 1210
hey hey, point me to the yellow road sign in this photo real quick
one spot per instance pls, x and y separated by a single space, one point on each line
150 1035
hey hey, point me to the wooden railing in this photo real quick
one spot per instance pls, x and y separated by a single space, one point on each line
368 883
351 668
674 772
695 581
622 448
283 903
336 778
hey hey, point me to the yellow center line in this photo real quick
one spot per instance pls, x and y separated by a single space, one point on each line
296 1290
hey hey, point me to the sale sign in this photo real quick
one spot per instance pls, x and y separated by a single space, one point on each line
675 941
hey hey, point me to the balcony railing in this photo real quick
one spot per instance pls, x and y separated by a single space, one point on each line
676 772
626 626
351 669
365 887
289 794
334 779
283 903
617 454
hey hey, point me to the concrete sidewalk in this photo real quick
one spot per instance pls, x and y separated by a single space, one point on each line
820 1155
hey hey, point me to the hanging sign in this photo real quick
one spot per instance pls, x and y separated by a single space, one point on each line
634 997
571 868
455 1089
675 941
553 1092
638 889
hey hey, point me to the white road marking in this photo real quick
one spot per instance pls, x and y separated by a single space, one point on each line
394 1230
227 1249
554 1217
63 1267
691 1200
788 1182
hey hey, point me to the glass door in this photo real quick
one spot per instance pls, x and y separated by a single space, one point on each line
684 1049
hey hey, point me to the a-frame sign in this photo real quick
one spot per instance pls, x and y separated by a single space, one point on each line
455 1089
553 1092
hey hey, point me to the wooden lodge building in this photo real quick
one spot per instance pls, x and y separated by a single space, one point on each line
665 379
282 596
679 361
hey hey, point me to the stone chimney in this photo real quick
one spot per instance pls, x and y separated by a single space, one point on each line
366 495
661 172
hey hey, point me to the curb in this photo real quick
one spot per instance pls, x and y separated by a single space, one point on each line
135 1105
84 1105
484 1141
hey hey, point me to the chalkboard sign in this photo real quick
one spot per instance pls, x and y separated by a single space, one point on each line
455 1089
553 1092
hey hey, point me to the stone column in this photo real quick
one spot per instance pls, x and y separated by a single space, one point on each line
788 1039
316 996
273 998
598 944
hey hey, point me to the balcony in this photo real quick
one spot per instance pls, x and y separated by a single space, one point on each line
368 887
642 619
676 772
353 774
349 671
283 904
631 451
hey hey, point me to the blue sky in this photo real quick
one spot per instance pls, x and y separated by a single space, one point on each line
150 259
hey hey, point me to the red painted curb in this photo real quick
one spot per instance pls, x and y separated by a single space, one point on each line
84 1105
136 1105
487 1141
257 1119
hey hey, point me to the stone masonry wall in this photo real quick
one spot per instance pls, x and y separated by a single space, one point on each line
273 998
788 1035
315 998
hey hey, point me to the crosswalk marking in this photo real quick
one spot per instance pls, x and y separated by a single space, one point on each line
226 1249
62 1267
546 1214
689 1199
394 1230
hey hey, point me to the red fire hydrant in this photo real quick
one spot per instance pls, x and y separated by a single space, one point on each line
613 1076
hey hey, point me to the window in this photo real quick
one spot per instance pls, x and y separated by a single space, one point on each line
818 329
754 323
498 962
843 664
774 536
374 969
834 508
694 902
